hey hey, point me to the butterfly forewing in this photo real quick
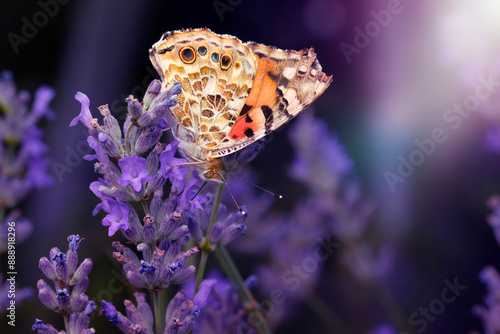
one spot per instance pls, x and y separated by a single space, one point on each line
215 82
286 82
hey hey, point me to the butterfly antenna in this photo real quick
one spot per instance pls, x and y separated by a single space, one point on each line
243 212
259 187
199 190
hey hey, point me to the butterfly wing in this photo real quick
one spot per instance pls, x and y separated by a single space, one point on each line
216 72
286 82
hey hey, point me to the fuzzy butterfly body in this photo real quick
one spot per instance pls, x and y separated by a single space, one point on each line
233 93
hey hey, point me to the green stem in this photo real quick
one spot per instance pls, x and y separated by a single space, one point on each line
145 208
390 305
249 304
218 196
205 248
201 270
156 298
66 322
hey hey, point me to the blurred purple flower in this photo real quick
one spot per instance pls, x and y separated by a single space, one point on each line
494 219
22 153
490 315
320 161
492 139
224 312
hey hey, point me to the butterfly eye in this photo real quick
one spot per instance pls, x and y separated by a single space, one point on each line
187 55
202 50
209 174
226 61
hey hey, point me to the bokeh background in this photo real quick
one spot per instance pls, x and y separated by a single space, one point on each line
388 91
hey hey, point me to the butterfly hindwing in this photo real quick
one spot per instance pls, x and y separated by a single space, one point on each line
286 82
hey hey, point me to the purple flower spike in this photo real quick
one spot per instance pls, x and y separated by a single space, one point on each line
134 172
201 297
40 108
85 117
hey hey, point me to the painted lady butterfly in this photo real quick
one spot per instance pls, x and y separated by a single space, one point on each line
233 93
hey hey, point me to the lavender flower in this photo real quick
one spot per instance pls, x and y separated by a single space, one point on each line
490 315
224 312
137 178
139 319
167 265
23 163
70 282
22 153
180 317
134 172
320 161
62 269
330 213
182 313
225 229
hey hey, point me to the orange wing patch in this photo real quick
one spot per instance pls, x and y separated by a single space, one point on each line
259 104
248 124
264 88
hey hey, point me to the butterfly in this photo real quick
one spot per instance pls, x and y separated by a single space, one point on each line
233 93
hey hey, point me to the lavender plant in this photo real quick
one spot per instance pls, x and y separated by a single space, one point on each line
68 295
135 168
23 164
329 220
490 312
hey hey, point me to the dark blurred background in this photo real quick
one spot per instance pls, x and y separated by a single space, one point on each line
385 95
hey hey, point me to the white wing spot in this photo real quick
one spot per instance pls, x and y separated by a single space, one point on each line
289 72
302 69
